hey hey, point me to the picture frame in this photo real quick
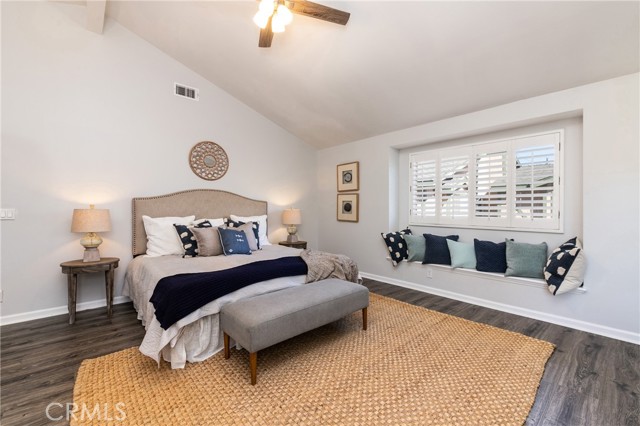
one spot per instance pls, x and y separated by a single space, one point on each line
347 208
348 175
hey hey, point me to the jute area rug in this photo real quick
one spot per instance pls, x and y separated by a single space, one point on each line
412 366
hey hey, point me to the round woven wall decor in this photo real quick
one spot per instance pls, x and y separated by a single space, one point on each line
208 160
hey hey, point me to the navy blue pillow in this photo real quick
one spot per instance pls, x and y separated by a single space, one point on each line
233 242
255 227
490 256
396 245
437 250
188 240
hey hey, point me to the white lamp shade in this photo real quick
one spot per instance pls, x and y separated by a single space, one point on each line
261 19
277 26
291 217
284 14
91 220
267 7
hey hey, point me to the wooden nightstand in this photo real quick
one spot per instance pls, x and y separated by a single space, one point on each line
74 267
297 244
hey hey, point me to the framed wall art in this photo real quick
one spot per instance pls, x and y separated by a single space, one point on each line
208 160
347 208
348 177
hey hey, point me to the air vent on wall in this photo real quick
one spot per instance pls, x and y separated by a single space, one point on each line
186 91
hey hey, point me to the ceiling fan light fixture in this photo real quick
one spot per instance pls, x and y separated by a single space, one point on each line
276 25
274 15
284 14
267 7
261 19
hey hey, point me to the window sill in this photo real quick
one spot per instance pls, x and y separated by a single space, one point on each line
530 282
487 227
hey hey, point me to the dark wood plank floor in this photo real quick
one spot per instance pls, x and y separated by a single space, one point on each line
589 379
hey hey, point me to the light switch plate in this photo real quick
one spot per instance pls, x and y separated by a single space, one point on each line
7 214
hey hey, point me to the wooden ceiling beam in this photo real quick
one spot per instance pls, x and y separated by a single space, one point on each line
95 15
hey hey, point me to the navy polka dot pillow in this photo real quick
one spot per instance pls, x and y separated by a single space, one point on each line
396 245
188 240
565 268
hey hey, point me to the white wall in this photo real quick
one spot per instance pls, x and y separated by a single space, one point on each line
91 118
609 217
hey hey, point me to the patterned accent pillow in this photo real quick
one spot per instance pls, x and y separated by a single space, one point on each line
437 250
396 245
188 240
565 268
233 241
255 226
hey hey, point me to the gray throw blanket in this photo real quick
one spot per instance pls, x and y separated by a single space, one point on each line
324 265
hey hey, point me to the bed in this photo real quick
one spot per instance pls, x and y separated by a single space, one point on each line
196 336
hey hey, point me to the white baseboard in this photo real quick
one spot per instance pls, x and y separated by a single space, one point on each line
59 310
589 327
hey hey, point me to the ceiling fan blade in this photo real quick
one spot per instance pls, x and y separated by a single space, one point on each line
318 11
266 35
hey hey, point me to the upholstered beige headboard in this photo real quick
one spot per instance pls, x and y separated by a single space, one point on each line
204 203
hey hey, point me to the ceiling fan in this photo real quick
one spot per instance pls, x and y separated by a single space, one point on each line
274 15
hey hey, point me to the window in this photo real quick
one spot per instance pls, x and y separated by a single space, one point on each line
506 184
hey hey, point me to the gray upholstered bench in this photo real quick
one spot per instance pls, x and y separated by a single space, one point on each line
261 321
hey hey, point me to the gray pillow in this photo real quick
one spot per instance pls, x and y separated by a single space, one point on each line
250 233
208 241
416 247
526 260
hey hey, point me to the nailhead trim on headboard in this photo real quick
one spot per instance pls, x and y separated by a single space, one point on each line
204 203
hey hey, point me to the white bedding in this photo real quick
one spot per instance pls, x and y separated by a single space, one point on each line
197 336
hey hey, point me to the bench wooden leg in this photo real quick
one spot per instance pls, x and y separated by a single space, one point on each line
364 318
253 364
227 353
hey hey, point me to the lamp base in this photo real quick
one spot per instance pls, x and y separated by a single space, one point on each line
91 254
292 230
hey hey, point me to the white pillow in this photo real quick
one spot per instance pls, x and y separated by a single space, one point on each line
262 226
162 237
214 222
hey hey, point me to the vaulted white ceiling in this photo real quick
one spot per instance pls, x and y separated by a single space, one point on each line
395 64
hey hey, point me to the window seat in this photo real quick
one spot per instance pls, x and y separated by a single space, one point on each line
531 282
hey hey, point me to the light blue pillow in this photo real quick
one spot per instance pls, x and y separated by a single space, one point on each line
416 247
526 260
463 255
234 242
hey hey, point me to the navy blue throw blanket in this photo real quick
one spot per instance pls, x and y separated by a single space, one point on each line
177 296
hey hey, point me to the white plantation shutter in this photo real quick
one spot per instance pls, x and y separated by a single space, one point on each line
535 176
454 187
491 185
423 188
508 184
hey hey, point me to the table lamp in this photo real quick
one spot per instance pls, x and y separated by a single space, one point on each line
291 217
91 220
